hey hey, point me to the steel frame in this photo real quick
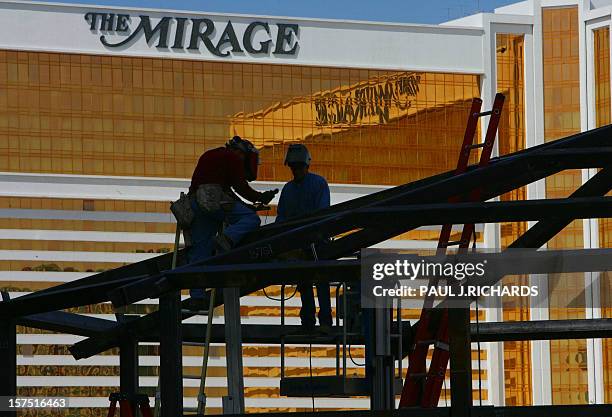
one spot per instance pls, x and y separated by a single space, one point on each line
371 219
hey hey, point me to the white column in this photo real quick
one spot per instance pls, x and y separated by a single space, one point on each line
591 226
541 383
493 307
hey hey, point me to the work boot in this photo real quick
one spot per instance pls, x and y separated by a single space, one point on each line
325 329
223 243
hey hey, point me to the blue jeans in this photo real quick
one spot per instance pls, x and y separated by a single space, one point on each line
240 221
307 312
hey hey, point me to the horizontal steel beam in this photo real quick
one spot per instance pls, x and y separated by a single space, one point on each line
483 332
516 262
427 214
542 330
493 176
591 410
243 275
206 276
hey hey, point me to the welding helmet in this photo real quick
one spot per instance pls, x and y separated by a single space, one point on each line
251 155
297 153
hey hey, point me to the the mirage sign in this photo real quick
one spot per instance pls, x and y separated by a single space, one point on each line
118 31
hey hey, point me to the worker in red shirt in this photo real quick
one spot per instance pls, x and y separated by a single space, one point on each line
219 174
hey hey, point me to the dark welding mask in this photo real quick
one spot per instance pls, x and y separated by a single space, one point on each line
251 159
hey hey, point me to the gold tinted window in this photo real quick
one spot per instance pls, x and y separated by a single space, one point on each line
562 118
601 47
78 114
510 66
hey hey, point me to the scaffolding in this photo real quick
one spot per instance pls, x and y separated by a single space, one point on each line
261 260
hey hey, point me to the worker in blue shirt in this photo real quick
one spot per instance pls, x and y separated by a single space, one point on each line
306 193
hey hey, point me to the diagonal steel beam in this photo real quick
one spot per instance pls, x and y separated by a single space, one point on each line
543 168
262 251
60 297
70 323
321 230
593 138
597 186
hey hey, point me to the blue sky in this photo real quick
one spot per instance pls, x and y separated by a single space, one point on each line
408 11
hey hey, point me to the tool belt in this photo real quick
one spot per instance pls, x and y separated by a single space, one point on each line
182 211
212 197
208 197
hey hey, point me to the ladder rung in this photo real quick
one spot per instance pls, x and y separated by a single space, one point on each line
192 376
477 145
442 345
194 343
454 242
426 342
195 312
483 113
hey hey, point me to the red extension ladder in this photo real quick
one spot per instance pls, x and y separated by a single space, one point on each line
422 388
126 406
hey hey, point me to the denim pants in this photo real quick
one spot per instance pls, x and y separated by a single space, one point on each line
307 312
240 220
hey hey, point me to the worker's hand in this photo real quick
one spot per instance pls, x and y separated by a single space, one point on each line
267 196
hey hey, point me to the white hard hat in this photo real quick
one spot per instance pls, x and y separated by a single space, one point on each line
297 153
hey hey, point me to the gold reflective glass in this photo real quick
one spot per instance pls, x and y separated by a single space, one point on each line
77 114
562 118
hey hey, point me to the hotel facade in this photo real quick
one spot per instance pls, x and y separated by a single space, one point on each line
105 110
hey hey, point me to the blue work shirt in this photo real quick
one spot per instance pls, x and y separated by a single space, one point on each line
303 197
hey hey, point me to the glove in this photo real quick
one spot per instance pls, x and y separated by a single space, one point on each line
267 196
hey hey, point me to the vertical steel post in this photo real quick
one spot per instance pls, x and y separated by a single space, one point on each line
234 402
382 390
128 371
460 361
171 355
282 332
336 325
8 356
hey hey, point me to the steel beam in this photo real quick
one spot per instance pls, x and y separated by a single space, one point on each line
543 231
128 370
171 355
151 266
485 332
593 138
58 298
591 410
8 357
506 263
428 214
240 275
540 262
460 361
542 330
436 191
69 323
493 175
286 241
234 403
382 396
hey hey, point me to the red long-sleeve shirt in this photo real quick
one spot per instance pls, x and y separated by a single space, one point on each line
222 166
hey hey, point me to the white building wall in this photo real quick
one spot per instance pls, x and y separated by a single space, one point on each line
444 48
